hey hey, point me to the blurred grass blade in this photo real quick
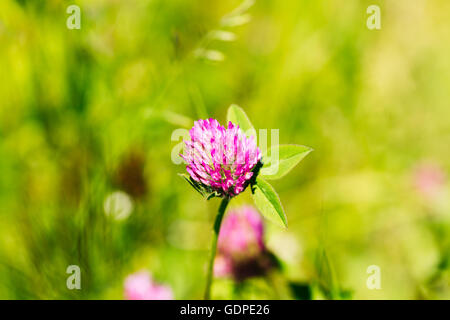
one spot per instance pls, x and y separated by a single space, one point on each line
199 104
212 55
235 21
177 119
238 16
326 275
222 35
243 7
168 116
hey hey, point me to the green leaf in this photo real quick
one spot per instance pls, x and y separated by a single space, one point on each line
282 159
237 116
267 201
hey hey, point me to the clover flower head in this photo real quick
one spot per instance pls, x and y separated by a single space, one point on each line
429 179
241 250
242 233
140 286
220 160
222 266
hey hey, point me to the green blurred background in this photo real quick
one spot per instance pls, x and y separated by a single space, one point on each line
84 113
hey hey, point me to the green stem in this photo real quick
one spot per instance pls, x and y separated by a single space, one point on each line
217 224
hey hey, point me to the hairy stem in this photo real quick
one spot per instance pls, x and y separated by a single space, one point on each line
217 224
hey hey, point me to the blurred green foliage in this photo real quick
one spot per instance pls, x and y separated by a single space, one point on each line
86 112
